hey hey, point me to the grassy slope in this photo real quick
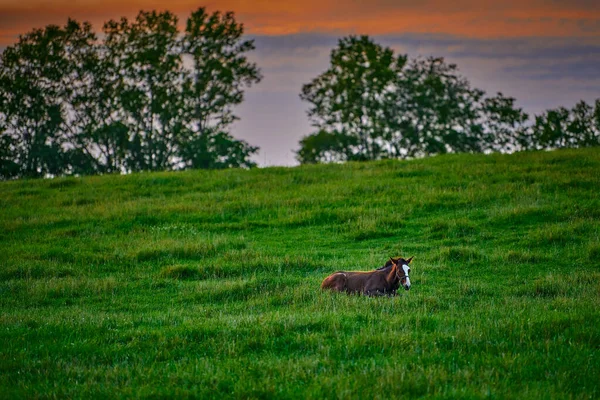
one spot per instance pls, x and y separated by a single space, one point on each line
207 283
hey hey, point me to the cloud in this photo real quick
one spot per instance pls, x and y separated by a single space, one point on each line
293 42
579 70
467 18
553 58
525 47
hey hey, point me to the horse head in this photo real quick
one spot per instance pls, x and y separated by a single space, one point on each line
402 270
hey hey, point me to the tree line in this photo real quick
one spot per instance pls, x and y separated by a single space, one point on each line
372 104
146 97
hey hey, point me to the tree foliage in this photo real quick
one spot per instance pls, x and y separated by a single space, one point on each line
213 86
436 110
561 127
151 67
146 97
31 110
373 104
503 125
350 98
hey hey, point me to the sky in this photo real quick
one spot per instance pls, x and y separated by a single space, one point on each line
545 53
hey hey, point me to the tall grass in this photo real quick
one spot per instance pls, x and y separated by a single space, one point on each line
206 284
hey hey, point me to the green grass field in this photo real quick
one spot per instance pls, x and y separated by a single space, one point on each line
206 284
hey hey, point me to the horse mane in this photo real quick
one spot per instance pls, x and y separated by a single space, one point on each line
388 264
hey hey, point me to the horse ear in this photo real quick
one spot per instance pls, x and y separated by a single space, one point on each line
409 260
392 260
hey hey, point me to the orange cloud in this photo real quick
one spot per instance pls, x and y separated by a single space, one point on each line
469 18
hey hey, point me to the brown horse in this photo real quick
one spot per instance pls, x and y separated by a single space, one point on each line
384 281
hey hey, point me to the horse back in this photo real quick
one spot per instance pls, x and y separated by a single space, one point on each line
336 281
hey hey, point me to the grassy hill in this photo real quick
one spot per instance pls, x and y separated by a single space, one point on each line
206 284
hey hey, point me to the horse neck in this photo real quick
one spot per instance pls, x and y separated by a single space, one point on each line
392 275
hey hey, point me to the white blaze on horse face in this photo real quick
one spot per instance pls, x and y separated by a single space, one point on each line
405 268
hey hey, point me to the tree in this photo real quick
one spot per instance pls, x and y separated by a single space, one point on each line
148 57
180 114
352 99
436 110
97 130
31 108
323 147
597 117
212 87
550 129
8 165
373 104
564 128
504 126
584 124
217 150
72 104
